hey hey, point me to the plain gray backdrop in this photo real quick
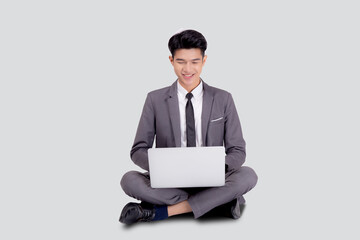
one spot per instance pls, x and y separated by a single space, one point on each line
74 77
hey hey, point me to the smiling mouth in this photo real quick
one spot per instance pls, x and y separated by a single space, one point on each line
188 76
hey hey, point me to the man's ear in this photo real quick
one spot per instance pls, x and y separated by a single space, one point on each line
204 59
171 60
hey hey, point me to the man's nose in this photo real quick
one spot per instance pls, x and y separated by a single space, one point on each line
187 67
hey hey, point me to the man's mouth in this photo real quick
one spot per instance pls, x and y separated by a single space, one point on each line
188 76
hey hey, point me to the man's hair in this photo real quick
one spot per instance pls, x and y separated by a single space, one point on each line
187 39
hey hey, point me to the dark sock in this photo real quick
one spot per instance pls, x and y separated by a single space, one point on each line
160 212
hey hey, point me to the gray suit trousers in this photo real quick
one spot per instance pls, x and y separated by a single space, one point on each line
201 200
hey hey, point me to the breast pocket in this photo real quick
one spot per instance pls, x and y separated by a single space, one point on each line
218 120
216 131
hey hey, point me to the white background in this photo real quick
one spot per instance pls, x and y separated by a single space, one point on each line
74 77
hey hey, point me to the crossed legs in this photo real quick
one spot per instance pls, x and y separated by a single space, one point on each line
196 200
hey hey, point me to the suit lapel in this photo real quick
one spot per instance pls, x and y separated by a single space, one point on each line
206 110
173 106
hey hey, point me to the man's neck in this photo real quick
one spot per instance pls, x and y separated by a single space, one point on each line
190 88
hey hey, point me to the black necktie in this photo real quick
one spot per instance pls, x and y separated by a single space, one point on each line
190 122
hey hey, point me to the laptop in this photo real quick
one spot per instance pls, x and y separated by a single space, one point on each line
186 167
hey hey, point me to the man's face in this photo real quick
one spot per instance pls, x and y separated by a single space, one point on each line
188 64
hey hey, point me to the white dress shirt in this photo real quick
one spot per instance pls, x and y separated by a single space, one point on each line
196 101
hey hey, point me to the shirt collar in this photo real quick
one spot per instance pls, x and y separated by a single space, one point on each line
197 92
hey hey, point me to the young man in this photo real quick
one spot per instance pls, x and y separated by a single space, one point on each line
188 113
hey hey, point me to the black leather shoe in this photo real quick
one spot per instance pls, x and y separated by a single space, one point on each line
236 209
135 212
231 209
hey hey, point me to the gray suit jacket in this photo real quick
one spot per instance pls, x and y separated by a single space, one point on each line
161 118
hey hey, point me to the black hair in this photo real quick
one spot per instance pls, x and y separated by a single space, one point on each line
187 39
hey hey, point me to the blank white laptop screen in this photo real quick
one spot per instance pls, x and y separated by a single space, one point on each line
187 167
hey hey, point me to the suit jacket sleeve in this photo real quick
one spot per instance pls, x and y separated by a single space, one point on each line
144 136
233 138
